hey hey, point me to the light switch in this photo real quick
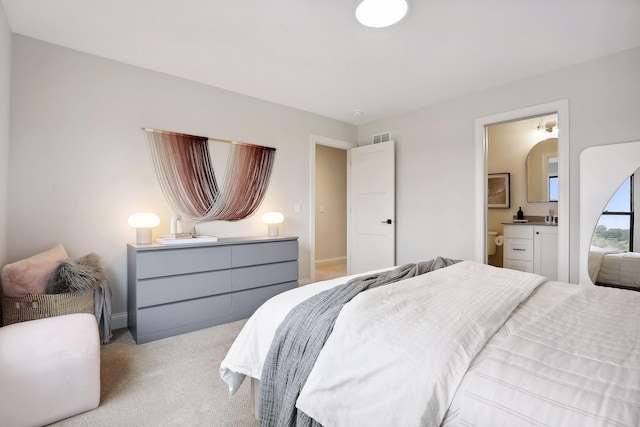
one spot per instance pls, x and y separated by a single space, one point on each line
296 207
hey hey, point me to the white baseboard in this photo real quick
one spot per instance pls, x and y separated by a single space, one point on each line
331 261
119 320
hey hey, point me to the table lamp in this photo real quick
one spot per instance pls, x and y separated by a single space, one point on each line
143 222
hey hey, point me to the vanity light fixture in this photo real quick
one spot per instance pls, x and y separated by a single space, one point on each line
380 13
273 219
550 128
143 222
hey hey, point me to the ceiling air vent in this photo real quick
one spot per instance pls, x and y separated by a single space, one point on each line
381 137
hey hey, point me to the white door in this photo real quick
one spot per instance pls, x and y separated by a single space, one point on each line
371 240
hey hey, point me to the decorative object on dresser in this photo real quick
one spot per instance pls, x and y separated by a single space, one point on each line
531 248
178 289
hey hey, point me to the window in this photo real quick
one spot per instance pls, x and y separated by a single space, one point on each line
553 188
615 227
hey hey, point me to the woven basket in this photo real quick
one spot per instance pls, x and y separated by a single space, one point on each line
39 306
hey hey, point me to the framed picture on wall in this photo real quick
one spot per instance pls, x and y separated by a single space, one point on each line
498 195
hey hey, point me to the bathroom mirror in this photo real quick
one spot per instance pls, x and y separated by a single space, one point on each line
614 255
542 172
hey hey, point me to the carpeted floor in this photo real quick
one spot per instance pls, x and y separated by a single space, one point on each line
170 382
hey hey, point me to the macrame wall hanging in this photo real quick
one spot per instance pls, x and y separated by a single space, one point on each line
185 172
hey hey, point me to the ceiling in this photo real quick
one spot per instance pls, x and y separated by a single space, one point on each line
314 56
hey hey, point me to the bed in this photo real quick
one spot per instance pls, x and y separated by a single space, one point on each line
468 344
614 268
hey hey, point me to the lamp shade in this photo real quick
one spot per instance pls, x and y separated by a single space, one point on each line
144 220
273 218
380 13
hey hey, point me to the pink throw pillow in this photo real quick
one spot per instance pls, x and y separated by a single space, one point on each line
30 275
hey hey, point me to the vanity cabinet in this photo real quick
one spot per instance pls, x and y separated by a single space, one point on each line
531 248
175 289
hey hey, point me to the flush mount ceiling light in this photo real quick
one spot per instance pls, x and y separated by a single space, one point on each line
380 13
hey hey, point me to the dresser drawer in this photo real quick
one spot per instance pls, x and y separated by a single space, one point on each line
182 260
264 253
170 316
179 288
518 231
263 275
526 266
248 301
518 249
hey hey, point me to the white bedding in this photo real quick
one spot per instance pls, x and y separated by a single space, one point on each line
415 340
596 256
568 352
620 269
249 350
568 357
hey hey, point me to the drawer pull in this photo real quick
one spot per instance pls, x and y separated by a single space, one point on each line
519 249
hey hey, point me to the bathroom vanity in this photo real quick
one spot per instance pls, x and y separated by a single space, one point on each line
531 247
176 289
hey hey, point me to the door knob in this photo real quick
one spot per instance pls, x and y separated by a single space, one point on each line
387 221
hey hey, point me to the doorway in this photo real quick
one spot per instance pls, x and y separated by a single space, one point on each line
561 108
331 213
511 148
326 231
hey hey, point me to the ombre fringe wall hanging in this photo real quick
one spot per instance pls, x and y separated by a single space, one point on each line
185 172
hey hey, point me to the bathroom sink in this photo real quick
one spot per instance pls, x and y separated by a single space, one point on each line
198 239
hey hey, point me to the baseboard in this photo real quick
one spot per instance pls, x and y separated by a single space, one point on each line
119 321
331 261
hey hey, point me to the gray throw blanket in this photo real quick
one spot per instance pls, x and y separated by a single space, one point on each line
302 334
102 310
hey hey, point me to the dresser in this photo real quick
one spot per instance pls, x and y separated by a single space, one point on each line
531 248
173 289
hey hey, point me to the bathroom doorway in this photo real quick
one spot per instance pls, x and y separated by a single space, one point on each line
561 108
509 145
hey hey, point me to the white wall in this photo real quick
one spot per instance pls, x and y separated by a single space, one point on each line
435 149
80 165
5 90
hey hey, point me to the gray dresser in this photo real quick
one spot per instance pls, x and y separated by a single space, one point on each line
174 289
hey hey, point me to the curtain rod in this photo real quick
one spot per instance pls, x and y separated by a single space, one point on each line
226 141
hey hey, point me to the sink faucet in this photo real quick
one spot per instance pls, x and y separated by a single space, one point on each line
176 224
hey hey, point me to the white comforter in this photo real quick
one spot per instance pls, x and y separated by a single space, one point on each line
413 342
569 357
414 339
249 350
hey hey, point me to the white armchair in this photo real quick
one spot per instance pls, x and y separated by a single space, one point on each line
49 369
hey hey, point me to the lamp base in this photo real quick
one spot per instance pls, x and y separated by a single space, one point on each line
143 236
274 230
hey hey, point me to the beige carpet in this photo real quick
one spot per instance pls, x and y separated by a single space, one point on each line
170 382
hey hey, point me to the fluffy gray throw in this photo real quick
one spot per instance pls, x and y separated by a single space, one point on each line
301 336
83 274
76 275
